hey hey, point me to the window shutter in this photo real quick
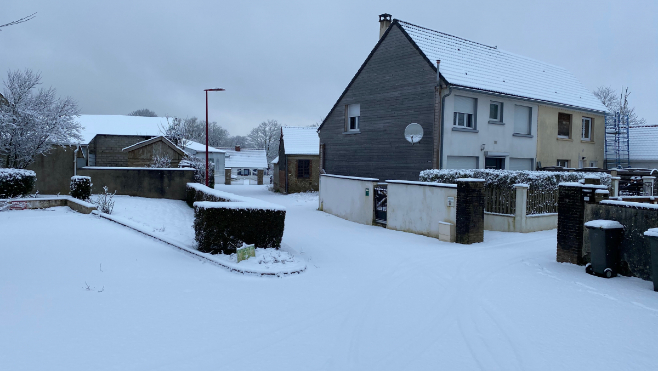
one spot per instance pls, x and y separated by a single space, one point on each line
464 105
522 117
354 110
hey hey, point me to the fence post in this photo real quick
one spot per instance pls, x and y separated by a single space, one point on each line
470 211
570 223
647 185
521 207
259 177
227 176
615 186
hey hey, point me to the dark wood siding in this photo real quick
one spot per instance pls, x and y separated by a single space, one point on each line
394 89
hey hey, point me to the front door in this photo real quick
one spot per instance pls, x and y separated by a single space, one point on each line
494 163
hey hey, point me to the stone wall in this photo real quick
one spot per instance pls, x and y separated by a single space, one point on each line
143 156
151 183
635 252
54 170
299 184
107 150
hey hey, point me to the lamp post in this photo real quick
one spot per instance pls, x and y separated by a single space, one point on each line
207 90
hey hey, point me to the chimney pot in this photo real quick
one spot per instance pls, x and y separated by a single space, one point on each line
384 23
237 148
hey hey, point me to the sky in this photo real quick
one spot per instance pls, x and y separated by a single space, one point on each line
291 60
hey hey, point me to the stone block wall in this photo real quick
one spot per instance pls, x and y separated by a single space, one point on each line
108 149
470 211
303 184
143 157
152 183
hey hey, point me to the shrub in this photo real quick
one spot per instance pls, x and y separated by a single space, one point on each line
104 201
81 187
16 182
223 221
545 180
199 167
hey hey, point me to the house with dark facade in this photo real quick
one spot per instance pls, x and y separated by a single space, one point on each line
297 168
478 106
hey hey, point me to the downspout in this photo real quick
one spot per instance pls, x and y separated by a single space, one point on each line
443 103
75 160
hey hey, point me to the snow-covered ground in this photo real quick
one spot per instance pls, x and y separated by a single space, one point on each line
371 299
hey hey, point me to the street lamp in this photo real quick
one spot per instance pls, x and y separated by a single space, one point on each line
207 90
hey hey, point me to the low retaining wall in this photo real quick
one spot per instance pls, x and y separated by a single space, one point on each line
44 203
346 197
141 182
420 207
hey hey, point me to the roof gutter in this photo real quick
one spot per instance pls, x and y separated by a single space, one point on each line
548 103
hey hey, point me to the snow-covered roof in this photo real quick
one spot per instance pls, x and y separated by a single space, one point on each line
198 147
245 158
275 161
643 142
478 66
300 140
119 125
153 140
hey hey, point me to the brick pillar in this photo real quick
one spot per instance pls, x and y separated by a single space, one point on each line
227 176
570 220
470 211
260 177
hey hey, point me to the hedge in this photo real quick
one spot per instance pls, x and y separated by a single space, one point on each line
81 187
16 182
544 180
224 221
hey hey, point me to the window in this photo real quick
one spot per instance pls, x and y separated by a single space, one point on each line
353 116
464 112
587 129
495 111
494 163
303 169
563 125
522 119
563 163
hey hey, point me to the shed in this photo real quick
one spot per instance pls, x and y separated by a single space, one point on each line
298 165
144 153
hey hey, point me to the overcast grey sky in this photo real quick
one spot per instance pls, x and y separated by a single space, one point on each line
290 60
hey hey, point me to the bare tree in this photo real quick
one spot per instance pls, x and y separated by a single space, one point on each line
32 121
145 112
180 131
238 140
24 19
266 136
618 103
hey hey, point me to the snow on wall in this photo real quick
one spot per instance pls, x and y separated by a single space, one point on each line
346 198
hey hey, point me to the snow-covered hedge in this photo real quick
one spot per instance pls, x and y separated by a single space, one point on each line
536 180
224 221
81 187
16 182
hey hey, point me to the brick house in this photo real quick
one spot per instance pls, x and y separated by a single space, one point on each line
479 107
297 168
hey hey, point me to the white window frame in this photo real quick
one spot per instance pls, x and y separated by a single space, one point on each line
463 119
589 124
565 162
349 121
500 111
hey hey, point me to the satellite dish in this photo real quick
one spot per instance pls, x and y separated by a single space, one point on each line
413 133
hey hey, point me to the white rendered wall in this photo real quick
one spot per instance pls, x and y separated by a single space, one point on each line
419 207
495 137
346 197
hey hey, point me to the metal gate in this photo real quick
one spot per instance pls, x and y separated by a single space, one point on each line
381 201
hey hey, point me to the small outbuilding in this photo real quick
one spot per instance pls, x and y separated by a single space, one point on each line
298 165
147 152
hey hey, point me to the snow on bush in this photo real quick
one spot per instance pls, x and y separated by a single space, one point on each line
16 182
81 187
224 221
199 167
161 162
104 201
544 180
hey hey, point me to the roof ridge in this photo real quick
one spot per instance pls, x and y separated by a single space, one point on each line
447 34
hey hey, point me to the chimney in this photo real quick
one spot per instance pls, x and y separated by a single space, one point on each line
384 22
237 148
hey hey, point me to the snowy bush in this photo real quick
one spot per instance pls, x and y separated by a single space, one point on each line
199 167
81 187
224 221
104 201
16 182
540 180
161 162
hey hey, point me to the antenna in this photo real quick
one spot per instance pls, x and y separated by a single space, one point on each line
413 133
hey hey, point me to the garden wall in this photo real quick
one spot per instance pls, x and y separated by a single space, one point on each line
141 182
420 207
635 253
346 197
